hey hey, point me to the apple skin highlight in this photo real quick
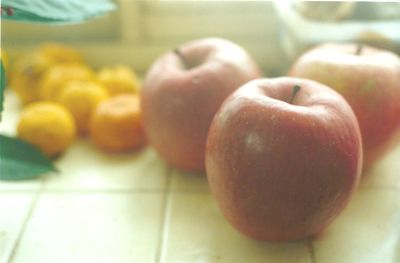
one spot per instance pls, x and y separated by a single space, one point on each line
182 92
283 171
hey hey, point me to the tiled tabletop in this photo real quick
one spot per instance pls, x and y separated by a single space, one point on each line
134 208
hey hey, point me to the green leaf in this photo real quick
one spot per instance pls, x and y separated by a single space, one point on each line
54 11
2 85
20 160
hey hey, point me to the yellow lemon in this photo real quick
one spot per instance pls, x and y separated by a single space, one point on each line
47 125
60 53
57 76
119 79
81 98
29 68
26 74
4 59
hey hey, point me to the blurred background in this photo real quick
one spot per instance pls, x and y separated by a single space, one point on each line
273 32
139 31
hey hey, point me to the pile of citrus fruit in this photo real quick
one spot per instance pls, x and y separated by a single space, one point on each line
64 98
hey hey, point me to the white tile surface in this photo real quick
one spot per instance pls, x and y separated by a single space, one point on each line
196 232
85 228
85 167
368 231
14 208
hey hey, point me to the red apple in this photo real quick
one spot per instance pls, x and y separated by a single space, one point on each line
283 157
182 91
369 79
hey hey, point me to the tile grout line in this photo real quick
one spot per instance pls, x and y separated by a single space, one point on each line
311 250
25 223
164 221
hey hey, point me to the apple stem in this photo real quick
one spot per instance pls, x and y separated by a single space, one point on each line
295 90
359 49
181 57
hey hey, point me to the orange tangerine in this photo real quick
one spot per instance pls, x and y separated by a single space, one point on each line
116 124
